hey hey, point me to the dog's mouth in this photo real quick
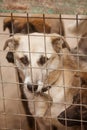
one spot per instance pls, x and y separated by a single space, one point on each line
34 88
46 88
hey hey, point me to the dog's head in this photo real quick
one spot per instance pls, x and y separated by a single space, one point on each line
82 48
35 56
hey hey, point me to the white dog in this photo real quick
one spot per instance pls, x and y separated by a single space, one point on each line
44 63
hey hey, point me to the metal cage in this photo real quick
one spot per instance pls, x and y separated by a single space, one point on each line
14 114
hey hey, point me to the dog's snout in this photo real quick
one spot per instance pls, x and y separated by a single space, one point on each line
10 57
31 87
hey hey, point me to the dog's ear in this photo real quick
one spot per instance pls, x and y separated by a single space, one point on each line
59 43
12 43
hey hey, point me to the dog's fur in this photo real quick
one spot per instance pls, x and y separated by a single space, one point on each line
45 72
32 123
21 25
79 28
73 112
81 97
81 48
81 31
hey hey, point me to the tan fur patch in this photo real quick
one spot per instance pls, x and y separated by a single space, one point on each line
59 43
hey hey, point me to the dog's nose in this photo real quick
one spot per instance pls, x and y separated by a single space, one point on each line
10 57
31 87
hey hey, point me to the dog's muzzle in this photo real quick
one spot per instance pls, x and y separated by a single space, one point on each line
33 88
37 87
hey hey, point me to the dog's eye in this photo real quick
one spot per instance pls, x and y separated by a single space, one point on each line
24 60
43 60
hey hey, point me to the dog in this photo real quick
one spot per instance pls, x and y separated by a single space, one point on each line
81 48
23 25
80 30
81 52
20 25
76 110
80 27
43 71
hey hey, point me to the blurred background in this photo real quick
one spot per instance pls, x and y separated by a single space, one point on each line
44 6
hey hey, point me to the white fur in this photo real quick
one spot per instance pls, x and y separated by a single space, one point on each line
40 86
27 81
79 29
52 102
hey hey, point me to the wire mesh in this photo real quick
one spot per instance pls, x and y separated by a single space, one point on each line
14 108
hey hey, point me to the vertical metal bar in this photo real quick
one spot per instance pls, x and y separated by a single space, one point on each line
64 86
31 67
44 19
60 18
3 94
77 18
12 24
